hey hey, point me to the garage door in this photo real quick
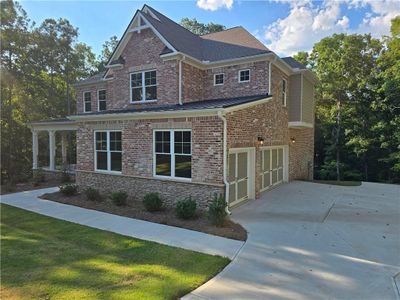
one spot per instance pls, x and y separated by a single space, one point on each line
238 177
272 167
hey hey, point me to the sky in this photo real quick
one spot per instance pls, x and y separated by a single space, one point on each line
284 26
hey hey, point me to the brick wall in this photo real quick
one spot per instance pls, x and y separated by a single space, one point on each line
301 154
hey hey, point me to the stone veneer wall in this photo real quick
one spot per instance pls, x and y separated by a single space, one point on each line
136 187
301 154
137 157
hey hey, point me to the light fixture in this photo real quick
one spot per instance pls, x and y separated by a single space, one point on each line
293 140
260 139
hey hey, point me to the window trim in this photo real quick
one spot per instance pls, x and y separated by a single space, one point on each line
223 79
242 81
143 87
98 100
172 153
284 93
108 171
84 101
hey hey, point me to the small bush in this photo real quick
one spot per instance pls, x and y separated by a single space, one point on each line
216 211
65 177
152 202
119 198
38 177
69 189
92 194
185 209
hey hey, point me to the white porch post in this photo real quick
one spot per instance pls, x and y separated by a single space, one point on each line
64 148
35 149
52 149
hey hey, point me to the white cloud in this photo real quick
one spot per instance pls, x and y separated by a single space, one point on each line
214 4
308 22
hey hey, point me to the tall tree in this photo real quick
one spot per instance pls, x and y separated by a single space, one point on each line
201 28
107 50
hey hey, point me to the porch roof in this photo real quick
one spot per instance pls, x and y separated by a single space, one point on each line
60 124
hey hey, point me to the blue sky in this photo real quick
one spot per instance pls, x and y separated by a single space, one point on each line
284 26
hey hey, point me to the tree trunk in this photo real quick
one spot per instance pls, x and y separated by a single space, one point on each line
337 146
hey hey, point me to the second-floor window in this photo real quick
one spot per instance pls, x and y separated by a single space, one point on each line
219 79
284 92
102 97
244 75
87 101
143 86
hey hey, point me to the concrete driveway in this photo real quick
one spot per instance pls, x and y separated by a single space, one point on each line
315 241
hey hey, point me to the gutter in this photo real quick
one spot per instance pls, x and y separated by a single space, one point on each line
223 118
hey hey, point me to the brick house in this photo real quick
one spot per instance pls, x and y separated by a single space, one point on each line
187 115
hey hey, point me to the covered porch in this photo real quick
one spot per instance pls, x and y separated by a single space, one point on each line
60 152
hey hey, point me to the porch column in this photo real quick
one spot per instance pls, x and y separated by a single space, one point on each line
64 148
52 149
35 149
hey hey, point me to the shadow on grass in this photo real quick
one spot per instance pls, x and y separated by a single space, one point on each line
43 257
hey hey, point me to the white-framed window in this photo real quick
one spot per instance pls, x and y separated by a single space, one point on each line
284 92
102 100
244 75
108 150
219 79
144 86
173 153
87 101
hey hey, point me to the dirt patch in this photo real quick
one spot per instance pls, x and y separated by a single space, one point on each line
28 186
135 210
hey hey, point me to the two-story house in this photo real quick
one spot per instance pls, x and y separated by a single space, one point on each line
188 115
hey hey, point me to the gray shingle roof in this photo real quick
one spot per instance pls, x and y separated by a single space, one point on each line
294 63
203 49
92 79
196 105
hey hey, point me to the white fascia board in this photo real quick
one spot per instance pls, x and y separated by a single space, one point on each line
246 105
300 125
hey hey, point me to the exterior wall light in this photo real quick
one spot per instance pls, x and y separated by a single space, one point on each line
293 140
260 140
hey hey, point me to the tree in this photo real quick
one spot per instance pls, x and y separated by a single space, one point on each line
200 28
106 52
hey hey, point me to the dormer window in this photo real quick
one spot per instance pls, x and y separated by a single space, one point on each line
219 79
87 101
244 75
144 86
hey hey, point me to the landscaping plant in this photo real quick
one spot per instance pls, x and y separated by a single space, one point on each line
65 177
69 189
152 202
216 211
38 177
186 209
119 198
92 194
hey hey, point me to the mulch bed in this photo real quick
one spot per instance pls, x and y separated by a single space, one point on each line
28 186
136 210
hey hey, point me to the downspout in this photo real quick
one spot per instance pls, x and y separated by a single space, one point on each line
223 118
180 83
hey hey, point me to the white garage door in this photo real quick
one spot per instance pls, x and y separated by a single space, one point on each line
272 167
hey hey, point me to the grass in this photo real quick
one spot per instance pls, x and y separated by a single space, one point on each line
340 182
45 258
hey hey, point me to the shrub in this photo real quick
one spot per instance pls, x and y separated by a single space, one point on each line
119 198
185 209
216 210
65 177
69 189
152 202
38 177
92 194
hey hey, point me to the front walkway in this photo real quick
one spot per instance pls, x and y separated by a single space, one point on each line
315 241
163 234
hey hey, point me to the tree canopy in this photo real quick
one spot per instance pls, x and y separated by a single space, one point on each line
201 28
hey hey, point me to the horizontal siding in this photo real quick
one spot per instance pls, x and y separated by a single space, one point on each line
308 101
294 103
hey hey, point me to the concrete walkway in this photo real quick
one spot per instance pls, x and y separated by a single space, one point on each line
315 241
163 234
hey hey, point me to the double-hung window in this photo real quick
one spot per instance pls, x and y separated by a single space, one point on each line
244 75
87 101
173 153
144 86
284 92
219 79
102 98
108 151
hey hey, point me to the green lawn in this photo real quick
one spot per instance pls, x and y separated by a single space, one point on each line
45 258
340 182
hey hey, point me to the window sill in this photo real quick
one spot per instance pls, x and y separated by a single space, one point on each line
108 172
177 179
244 81
143 101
